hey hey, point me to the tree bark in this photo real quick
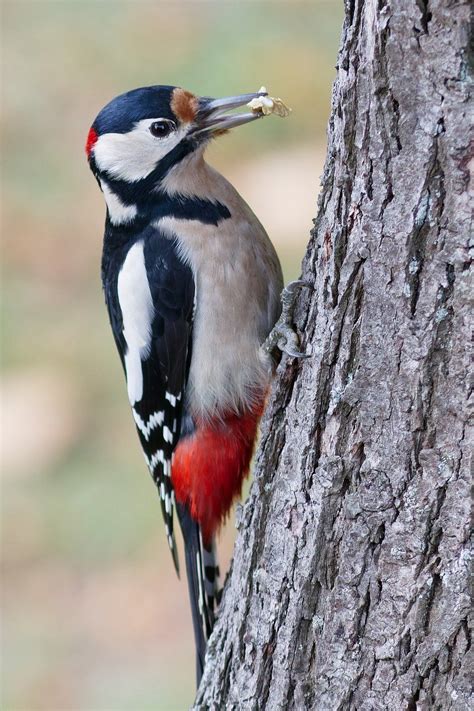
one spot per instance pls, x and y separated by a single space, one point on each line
349 585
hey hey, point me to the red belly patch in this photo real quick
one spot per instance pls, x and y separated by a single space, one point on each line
209 467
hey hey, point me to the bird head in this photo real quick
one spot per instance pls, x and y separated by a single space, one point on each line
140 135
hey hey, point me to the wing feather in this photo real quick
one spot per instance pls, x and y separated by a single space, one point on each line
150 299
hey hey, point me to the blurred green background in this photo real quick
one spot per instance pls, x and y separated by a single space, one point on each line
93 615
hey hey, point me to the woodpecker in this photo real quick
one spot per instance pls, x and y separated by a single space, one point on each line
192 285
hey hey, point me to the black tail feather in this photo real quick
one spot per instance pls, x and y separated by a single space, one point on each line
200 595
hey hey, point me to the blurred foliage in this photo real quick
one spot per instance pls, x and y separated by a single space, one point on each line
94 618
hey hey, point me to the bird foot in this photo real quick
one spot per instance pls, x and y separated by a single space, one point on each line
283 336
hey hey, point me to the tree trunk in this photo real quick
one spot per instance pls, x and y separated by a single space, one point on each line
349 585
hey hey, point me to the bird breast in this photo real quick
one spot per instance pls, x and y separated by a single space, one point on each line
238 282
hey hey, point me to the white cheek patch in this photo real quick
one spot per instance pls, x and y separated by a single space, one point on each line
136 305
134 155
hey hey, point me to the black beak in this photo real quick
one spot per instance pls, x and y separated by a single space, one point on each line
213 114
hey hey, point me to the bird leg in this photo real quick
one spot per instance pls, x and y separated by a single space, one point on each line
283 336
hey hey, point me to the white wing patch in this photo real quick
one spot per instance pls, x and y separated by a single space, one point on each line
172 399
137 313
167 434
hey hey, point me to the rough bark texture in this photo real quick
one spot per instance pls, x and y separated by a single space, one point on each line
349 587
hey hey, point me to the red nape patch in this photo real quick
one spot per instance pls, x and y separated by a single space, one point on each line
91 141
210 466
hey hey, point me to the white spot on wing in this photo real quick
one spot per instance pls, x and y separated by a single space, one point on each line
167 434
172 399
137 313
158 457
155 420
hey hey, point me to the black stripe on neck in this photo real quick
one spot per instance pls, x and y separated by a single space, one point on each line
190 208
207 212
152 202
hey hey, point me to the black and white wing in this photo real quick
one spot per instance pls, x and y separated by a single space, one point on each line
151 309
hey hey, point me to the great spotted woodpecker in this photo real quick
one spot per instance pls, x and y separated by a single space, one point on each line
192 285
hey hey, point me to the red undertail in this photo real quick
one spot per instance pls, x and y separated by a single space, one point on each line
209 467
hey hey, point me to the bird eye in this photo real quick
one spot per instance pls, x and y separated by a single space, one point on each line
162 128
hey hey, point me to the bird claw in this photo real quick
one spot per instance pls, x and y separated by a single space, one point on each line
295 354
282 336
